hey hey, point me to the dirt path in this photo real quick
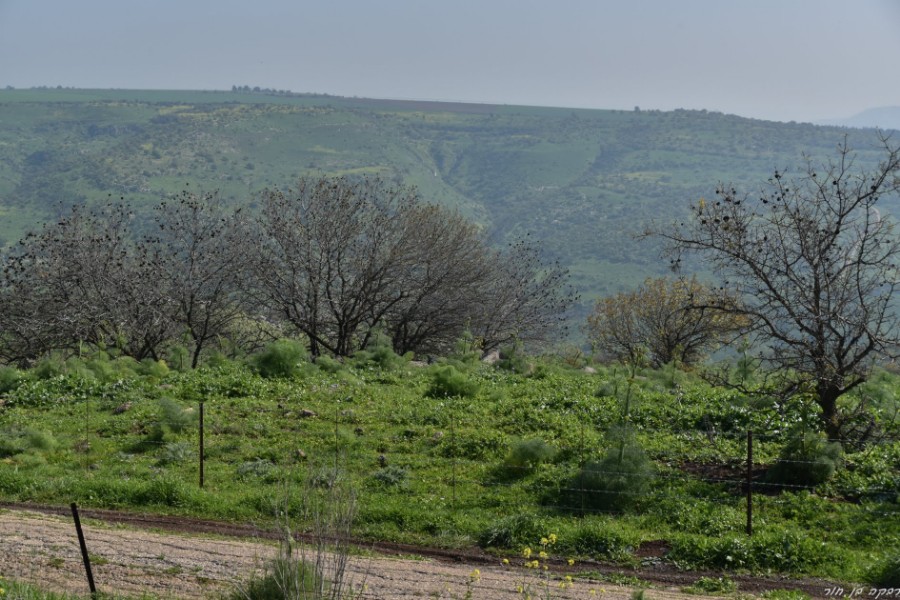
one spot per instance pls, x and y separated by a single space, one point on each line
43 549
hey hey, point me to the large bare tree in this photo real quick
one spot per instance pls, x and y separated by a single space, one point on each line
80 280
198 255
332 257
341 257
815 263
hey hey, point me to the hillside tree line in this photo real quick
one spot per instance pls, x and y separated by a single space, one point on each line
333 260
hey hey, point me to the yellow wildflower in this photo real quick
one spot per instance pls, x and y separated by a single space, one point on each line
542 554
505 561
475 575
553 538
571 561
526 552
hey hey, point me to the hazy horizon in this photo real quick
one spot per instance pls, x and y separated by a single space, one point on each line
777 60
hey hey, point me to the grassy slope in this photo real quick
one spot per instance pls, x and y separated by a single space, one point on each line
583 181
429 471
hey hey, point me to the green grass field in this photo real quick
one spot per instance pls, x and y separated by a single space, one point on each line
449 471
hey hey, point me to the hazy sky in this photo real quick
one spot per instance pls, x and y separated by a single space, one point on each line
776 59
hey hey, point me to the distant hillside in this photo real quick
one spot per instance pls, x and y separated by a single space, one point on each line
583 181
885 117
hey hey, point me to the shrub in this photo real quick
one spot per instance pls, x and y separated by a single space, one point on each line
712 585
807 459
40 440
49 367
176 452
779 550
10 379
525 455
617 481
13 442
466 352
390 476
447 382
328 364
284 577
166 491
887 574
155 369
379 354
514 531
173 419
513 359
281 358
600 541
259 468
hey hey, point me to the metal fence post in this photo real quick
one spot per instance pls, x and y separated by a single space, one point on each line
749 482
84 552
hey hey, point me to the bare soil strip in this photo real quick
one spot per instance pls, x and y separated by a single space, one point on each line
41 546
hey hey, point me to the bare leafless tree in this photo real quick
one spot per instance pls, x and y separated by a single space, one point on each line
526 299
449 267
198 255
80 280
342 257
332 257
814 262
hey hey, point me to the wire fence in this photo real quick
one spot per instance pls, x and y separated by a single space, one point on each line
449 466
454 460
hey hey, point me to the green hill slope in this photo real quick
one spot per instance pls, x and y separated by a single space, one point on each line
582 181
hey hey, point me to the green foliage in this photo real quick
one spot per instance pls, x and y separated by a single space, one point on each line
258 468
447 382
887 573
284 578
163 490
712 585
172 419
617 482
156 369
16 442
179 357
428 470
785 595
390 476
515 531
329 365
807 459
49 367
281 359
788 551
176 452
378 354
466 352
525 455
599 540
10 378
512 358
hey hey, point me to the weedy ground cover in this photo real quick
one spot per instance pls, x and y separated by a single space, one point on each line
497 459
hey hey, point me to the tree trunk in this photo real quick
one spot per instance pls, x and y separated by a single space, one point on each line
827 400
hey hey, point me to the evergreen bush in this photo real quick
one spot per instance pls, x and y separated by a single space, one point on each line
281 359
525 455
616 482
807 459
447 382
